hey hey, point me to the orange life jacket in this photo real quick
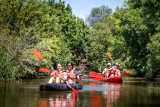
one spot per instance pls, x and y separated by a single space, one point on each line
71 76
107 71
55 74
117 72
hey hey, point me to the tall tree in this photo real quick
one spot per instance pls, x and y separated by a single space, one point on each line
98 14
100 36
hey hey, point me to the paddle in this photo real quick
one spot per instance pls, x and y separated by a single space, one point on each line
95 76
44 70
38 54
109 55
125 74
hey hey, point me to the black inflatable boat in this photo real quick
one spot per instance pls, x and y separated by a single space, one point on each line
58 87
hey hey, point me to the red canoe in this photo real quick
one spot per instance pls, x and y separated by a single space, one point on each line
113 79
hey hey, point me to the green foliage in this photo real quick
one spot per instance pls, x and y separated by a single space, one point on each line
99 42
153 57
135 24
46 26
7 68
132 29
99 14
130 34
131 71
99 37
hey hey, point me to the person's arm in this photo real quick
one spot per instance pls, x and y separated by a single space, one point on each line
77 75
51 70
104 70
65 76
119 73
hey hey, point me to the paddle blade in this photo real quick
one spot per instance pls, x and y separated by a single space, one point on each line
93 75
95 78
37 54
125 73
44 70
109 55
74 90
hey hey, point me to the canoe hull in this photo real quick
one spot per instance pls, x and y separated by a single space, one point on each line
58 87
117 79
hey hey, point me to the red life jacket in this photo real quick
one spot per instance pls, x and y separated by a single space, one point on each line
113 71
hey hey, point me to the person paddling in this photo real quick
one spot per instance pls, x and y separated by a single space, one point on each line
115 71
55 77
106 71
73 75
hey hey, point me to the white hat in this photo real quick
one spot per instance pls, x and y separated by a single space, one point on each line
117 64
109 64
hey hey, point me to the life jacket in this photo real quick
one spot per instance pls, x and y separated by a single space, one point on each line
107 71
113 71
117 72
71 76
55 74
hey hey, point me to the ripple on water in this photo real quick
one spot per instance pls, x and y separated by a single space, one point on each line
96 88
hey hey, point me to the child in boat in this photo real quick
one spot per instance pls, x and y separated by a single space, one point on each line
73 75
58 74
106 71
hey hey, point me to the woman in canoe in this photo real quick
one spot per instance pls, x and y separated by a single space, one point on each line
115 71
106 71
56 75
73 75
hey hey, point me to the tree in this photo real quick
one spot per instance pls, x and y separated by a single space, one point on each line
98 14
153 57
137 24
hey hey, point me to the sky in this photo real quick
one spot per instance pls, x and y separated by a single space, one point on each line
82 8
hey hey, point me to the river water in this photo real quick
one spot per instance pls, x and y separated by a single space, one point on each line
133 92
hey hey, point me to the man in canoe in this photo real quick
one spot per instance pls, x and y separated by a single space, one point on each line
106 71
73 75
56 75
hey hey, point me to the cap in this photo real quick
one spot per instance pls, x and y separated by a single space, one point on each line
109 64
117 64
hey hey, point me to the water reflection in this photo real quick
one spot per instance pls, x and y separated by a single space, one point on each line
58 99
132 93
110 95
94 99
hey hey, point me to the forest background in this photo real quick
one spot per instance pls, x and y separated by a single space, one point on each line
131 34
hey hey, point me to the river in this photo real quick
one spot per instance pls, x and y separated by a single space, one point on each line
133 92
